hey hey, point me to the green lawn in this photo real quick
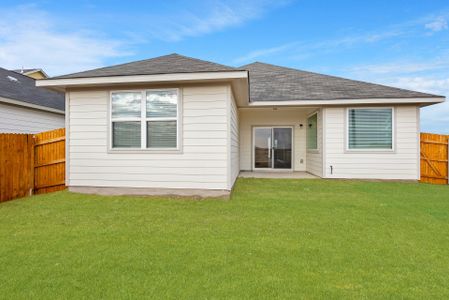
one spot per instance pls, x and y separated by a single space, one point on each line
273 239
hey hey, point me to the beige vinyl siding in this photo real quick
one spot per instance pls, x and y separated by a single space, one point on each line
315 157
269 117
18 119
402 163
201 164
234 140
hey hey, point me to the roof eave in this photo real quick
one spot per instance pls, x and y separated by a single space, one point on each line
332 102
31 105
63 83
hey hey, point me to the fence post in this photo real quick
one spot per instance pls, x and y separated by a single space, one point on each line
33 138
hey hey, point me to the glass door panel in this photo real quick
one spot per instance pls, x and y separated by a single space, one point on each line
282 148
262 148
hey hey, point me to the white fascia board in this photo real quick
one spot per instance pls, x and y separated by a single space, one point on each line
34 71
141 78
348 101
30 105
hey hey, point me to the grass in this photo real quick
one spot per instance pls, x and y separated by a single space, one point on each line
273 239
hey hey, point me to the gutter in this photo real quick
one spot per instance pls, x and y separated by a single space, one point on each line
425 100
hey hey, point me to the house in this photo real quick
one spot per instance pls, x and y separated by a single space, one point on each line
175 124
25 108
33 73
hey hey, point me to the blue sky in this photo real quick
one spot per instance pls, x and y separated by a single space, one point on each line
399 43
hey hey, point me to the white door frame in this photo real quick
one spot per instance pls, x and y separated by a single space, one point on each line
253 148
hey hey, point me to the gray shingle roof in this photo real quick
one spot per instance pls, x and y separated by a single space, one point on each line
275 83
167 64
267 82
23 88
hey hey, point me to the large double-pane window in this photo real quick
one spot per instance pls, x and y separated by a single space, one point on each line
145 119
312 132
370 129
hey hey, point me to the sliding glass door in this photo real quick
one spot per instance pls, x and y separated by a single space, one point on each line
272 147
262 148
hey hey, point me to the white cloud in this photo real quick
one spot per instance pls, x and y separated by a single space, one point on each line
438 24
217 16
28 38
434 118
366 38
424 84
263 52
402 67
301 50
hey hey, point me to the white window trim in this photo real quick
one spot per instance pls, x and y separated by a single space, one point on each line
393 131
315 150
143 123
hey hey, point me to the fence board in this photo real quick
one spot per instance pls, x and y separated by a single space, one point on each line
16 165
434 158
31 163
49 161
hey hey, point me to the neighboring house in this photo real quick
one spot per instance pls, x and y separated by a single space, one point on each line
174 124
33 73
25 108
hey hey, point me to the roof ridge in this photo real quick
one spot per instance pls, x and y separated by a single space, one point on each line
341 78
118 65
202 60
148 60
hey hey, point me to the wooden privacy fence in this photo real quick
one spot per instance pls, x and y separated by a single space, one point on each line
16 165
49 161
434 158
35 164
31 164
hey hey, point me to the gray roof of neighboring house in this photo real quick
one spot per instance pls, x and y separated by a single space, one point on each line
167 64
23 88
275 83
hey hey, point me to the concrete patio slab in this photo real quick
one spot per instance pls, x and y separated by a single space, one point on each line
274 174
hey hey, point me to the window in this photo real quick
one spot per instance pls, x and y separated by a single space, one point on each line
370 128
312 132
161 114
126 114
145 119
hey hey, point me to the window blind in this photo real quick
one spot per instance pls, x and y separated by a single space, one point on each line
370 128
161 134
126 134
